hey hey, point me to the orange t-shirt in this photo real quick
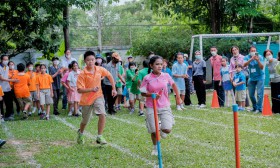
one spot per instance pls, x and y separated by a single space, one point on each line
11 74
21 88
33 81
44 81
89 80
1 91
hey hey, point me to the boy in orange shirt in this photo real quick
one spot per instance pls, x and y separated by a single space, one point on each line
45 91
33 87
89 85
21 89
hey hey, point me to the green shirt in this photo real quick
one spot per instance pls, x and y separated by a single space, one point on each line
119 83
142 73
134 87
129 76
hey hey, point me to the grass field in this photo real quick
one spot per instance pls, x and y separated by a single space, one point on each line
200 138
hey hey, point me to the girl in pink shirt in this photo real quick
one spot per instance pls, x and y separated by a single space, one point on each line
156 82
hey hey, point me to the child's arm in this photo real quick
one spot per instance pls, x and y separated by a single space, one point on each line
178 98
38 90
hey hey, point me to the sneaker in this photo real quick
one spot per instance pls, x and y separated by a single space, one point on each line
11 118
70 114
29 113
80 138
76 115
179 108
24 115
2 142
241 109
182 106
42 116
79 112
154 152
256 112
131 111
141 114
202 106
39 112
33 109
101 140
163 135
47 117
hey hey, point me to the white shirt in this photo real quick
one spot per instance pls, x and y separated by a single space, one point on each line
65 62
4 72
72 78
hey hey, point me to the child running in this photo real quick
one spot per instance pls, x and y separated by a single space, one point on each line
32 88
73 95
89 85
226 81
156 82
21 89
45 91
239 81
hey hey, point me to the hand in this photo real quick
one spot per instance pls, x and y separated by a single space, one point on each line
157 96
14 80
234 84
95 89
220 84
38 95
1 98
52 94
178 100
257 58
71 89
124 83
114 93
204 81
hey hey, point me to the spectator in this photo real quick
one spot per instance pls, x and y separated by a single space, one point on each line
180 73
255 63
167 70
129 59
199 79
55 73
113 68
4 82
186 59
216 63
274 80
13 72
65 61
238 82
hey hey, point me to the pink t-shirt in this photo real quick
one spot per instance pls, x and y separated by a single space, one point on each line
216 62
233 62
65 76
157 84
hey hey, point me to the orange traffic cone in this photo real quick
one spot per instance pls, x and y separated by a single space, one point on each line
215 102
266 107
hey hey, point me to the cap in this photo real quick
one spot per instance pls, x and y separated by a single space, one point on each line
129 57
98 56
116 55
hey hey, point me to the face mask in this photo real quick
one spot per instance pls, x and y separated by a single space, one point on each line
269 57
30 68
252 53
133 68
12 67
198 57
236 55
99 61
214 53
5 62
68 56
56 62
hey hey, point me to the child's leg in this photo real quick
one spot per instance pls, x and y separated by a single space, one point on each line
243 104
226 98
232 96
75 107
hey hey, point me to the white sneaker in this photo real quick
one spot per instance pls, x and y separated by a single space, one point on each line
256 112
33 109
154 152
182 106
132 111
179 108
163 135
70 113
202 106
79 112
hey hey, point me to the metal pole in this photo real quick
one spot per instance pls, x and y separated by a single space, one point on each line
236 135
268 42
99 25
191 52
157 130
200 46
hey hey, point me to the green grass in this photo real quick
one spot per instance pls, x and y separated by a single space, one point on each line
200 138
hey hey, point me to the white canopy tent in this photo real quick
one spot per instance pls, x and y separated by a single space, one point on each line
207 36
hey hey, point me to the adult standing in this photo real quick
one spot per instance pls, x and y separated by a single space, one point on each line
4 82
55 73
274 80
113 68
216 63
186 58
199 79
255 63
65 61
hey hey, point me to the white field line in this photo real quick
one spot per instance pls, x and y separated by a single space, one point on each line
196 142
240 113
245 157
19 147
119 148
227 126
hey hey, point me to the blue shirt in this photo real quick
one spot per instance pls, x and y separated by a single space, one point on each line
255 73
179 69
240 77
167 70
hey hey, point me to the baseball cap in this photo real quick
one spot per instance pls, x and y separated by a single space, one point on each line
117 56
98 56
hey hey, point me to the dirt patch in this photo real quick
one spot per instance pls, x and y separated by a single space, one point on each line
62 143
27 152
